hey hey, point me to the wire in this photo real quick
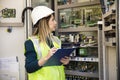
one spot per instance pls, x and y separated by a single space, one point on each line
23 13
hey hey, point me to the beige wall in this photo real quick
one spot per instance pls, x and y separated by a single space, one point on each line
11 44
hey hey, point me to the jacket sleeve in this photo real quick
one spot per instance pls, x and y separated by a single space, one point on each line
31 62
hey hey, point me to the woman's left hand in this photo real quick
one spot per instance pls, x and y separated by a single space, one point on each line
65 60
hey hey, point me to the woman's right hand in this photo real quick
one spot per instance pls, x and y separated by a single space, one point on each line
51 52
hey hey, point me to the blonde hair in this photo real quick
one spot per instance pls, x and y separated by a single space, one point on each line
42 29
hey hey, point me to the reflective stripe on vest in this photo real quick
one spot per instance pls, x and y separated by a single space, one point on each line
37 47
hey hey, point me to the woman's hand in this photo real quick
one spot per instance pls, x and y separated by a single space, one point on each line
51 52
65 60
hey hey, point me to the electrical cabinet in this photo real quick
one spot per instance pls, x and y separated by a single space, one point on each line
110 40
77 27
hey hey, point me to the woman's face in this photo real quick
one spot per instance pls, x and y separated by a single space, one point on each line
52 23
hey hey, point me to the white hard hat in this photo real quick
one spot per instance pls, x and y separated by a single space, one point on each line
40 12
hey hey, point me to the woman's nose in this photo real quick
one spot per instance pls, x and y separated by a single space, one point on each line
55 22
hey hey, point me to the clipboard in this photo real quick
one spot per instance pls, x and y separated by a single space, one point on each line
60 53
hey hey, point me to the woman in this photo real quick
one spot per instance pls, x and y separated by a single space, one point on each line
40 47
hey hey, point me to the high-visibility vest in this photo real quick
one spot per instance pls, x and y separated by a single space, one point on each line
49 72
